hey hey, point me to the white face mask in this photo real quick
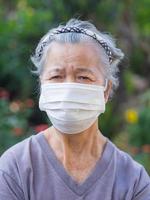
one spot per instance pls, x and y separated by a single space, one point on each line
72 107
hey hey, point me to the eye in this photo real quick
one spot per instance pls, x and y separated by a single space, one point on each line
84 78
56 77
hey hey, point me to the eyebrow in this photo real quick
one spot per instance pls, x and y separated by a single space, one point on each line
78 70
56 69
84 70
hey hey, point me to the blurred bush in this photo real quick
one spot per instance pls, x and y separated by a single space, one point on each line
139 131
13 125
14 120
134 137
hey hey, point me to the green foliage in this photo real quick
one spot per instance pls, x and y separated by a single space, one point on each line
109 124
139 132
14 122
19 33
129 86
144 159
141 8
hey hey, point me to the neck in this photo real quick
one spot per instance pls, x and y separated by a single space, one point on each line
72 147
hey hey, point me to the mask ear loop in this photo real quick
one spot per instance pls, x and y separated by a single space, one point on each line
106 84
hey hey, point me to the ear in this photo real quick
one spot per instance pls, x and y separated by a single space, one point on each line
107 91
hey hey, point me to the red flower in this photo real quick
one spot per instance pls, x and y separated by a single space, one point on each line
4 94
29 103
18 131
135 150
41 127
146 148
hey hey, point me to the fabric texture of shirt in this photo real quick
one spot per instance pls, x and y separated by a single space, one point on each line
30 170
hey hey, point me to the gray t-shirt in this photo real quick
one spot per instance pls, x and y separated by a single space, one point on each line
30 170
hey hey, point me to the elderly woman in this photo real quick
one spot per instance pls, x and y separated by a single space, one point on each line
77 66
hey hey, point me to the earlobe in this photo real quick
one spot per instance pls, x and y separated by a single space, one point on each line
105 96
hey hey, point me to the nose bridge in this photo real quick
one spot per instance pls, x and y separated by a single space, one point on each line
69 78
70 74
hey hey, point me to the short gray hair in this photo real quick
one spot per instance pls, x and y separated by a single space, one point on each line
111 69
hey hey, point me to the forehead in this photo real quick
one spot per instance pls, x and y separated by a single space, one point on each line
76 55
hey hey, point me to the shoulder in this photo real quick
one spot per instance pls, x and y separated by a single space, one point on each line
15 149
125 161
14 163
17 155
131 173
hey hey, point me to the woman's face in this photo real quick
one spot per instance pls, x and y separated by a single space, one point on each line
68 62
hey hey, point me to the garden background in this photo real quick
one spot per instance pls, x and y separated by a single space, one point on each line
22 24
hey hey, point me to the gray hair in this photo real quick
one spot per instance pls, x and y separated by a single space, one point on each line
111 69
